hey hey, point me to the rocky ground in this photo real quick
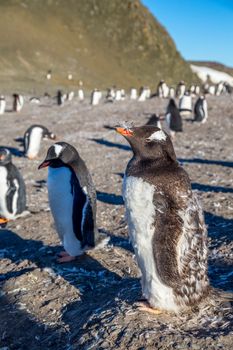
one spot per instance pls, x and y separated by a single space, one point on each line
92 303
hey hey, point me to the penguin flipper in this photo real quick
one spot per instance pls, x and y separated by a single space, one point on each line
88 225
10 196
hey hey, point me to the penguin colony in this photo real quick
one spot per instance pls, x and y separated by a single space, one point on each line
160 205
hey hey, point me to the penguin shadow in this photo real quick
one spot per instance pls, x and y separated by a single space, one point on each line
111 144
35 252
119 241
220 230
40 335
206 161
99 307
40 184
14 151
100 289
110 198
209 188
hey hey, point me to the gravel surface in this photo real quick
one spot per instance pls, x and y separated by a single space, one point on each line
92 302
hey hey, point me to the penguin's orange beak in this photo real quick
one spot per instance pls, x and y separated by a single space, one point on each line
124 132
3 221
43 165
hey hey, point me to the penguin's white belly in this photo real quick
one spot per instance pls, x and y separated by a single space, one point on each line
34 142
4 187
140 213
2 107
61 204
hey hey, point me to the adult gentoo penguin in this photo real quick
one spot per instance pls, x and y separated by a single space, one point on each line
165 221
200 110
12 188
33 137
72 199
173 118
185 104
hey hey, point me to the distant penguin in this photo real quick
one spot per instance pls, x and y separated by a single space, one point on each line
118 95
34 100
96 97
185 104
172 92
18 102
180 89
80 95
111 94
212 89
192 89
154 120
69 76
49 75
60 98
166 224
173 118
144 94
219 88
159 89
133 94
123 94
12 188
197 89
2 104
70 96
201 110
72 199
33 137
162 89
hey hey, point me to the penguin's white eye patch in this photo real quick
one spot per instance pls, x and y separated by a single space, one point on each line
57 149
157 136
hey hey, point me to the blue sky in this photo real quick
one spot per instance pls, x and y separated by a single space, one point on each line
201 29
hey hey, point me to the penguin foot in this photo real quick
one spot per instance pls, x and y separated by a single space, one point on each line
63 253
65 259
144 306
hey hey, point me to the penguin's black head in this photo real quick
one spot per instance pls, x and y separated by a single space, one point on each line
5 156
149 143
59 154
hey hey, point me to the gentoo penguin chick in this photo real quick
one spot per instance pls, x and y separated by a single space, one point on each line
2 104
32 139
165 222
200 110
12 188
173 118
72 199
18 102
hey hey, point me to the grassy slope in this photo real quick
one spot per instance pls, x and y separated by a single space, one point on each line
101 42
